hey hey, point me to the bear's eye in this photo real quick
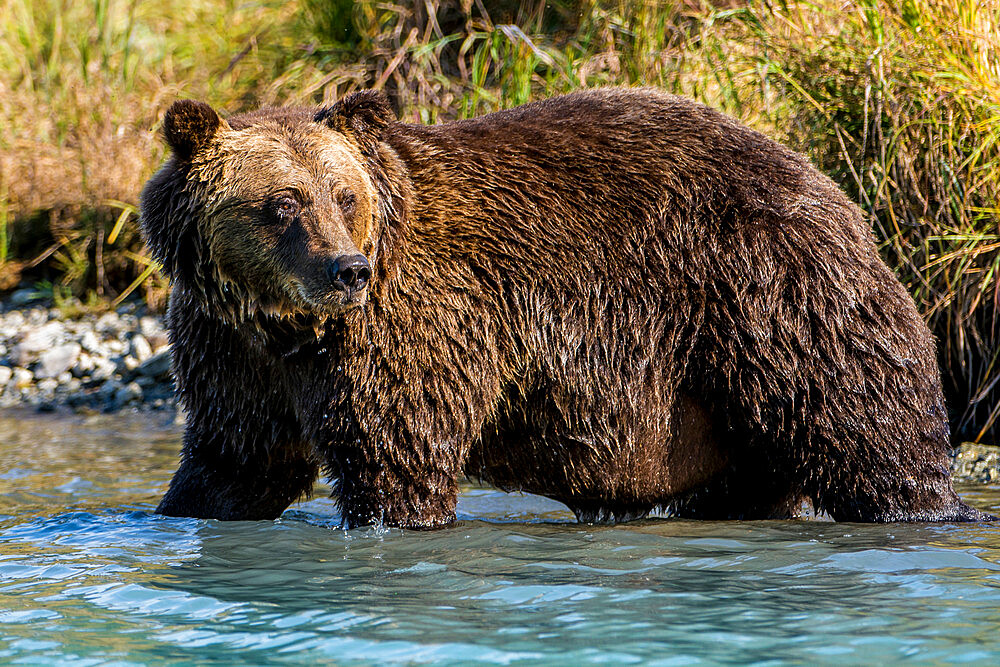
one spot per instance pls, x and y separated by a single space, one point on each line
286 207
347 201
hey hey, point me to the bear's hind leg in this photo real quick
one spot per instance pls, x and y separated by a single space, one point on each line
902 490
829 375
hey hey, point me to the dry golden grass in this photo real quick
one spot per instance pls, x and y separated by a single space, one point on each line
83 88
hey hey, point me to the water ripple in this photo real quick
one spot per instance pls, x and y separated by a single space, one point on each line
88 575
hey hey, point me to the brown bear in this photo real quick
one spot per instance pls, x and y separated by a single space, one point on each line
619 299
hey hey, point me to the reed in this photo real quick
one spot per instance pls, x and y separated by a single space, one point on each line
897 101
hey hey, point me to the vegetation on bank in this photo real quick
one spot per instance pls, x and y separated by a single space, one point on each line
898 101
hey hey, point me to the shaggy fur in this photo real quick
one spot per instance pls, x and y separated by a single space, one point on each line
618 299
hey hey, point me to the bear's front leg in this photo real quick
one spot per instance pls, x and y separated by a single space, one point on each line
244 455
409 486
216 481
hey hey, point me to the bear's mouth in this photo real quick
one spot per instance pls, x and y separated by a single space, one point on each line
329 301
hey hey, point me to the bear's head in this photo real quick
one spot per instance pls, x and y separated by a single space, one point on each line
272 211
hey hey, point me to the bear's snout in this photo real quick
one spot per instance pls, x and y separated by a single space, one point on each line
350 273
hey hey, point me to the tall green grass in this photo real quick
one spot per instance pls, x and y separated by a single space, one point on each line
898 101
901 104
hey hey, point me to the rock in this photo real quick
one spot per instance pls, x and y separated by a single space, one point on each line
109 389
157 366
153 331
47 386
34 342
77 400
23 378
125 365
159 341
23 297
104 369
158 391
11 324
91 343
130 392
47 360
83 366
37 317
139 348
56 361
149 326
108 324
129 323
973 462
20 356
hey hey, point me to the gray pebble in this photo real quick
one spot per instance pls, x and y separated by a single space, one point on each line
976 463
140 349
34 342
83 366
91 343
47 386
14 319
23 378
104 369
48 360
130 392
108 324
157 366
109 389
149 326
159 341
57 360
126 364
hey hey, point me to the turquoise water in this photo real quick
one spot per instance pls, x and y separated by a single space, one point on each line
88 575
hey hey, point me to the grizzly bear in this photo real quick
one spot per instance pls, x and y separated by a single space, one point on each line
619 299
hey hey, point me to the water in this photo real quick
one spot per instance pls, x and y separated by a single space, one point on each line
88 575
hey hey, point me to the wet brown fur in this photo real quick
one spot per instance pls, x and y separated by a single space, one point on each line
618 298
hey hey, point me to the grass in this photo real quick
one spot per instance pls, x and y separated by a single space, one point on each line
897 101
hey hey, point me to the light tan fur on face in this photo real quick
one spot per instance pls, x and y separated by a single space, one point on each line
242 171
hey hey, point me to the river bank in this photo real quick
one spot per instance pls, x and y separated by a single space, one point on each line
105 362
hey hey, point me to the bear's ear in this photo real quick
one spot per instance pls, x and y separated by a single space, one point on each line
189 126
363 116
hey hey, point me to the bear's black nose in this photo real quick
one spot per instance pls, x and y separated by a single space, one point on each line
349 272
